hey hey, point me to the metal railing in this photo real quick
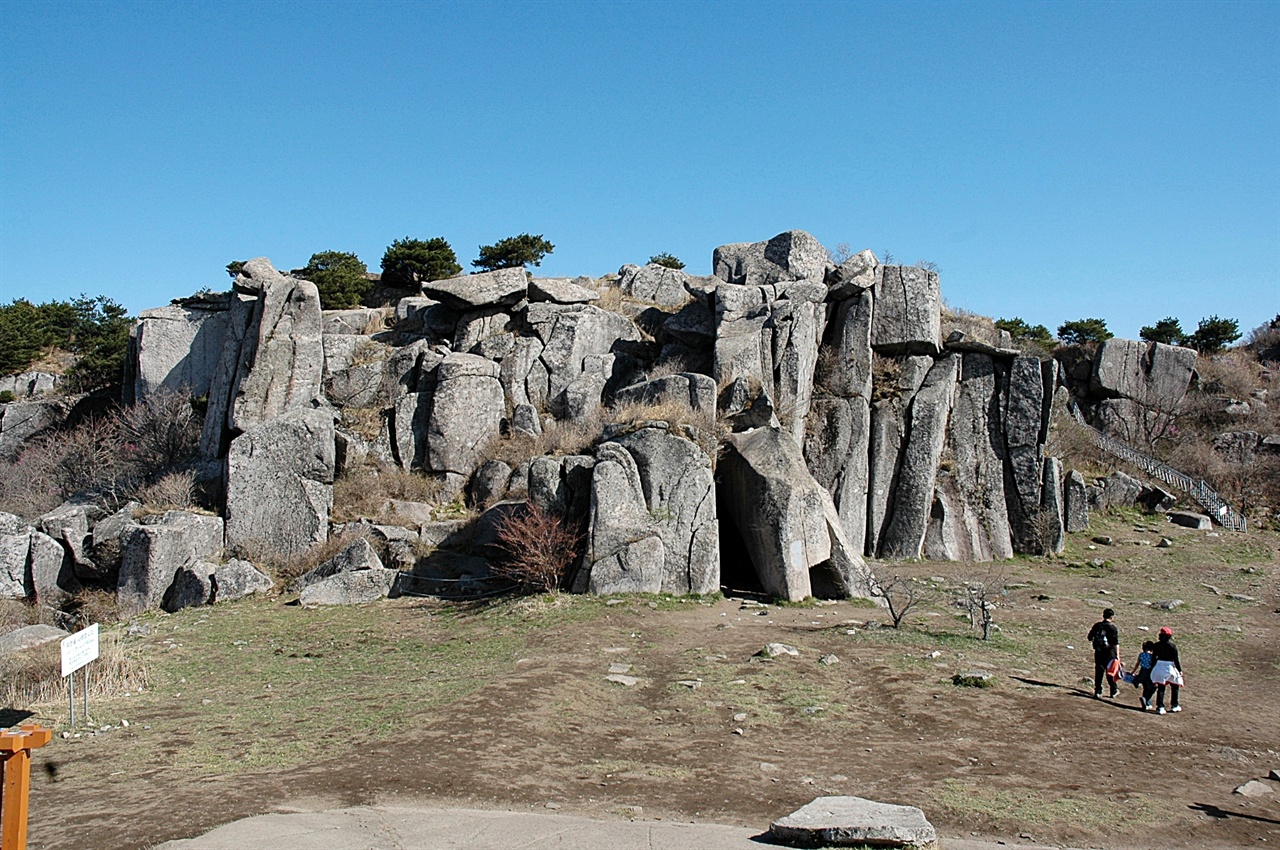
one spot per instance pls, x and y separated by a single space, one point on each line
1204 495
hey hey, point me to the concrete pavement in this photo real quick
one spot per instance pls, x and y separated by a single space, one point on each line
396 828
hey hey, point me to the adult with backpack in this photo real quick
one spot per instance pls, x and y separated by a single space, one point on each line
1105 638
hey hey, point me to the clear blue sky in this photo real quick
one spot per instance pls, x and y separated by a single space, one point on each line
1057 160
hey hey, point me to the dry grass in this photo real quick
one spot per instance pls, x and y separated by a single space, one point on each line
557 438
363 492
283 569
34 677
366 422
172 491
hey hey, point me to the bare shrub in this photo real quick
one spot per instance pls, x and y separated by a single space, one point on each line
900 594
283 569
27 487
666 368
85 458
705 428
158 433
982 594
538 549
885 374
1232 374
614 300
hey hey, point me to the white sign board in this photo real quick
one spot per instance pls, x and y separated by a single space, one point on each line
79 649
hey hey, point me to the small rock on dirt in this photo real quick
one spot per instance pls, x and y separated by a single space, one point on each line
854 821
773 650
1168 604
1103 540
1241 597
1164 543
828 659
1254 788
619 679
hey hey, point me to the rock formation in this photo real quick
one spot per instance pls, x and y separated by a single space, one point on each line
867 422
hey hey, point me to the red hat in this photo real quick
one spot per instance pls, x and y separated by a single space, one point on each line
1165 630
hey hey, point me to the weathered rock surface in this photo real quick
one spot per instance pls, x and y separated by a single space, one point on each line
1153 374
28 385
51 575
793 255
467 409
176 348
787 519
486 289
1053 522
563 290
1025 431
1190 519
280 483
355 556
13 565
918 465
908 312
625 552
22 420
570 334
658 284
855 822
192 586
1075 502
29 637
679 492
154 551
350 588
272 357
698 391
854 276
237 579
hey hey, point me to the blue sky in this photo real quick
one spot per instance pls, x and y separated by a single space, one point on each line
1056 160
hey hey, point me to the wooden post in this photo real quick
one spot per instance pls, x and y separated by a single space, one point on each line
15 781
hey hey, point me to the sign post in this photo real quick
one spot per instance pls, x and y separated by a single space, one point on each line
15 781
77 651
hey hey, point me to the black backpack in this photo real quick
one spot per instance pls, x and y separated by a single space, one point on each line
1100 642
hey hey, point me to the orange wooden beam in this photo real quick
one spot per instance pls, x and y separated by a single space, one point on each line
15 781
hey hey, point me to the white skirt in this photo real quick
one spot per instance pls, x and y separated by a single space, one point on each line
1164 673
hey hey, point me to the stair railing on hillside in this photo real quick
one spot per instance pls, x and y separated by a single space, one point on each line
1204 495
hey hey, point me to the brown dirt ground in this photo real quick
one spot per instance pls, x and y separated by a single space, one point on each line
1035 758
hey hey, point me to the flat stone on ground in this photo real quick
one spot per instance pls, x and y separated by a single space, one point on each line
854 821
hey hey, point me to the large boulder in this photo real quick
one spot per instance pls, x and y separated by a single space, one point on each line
856 275
28 385
486 289
625 552
926 432
791 527
20 421
698 391
356 555
467 410
793 255
272 357
237 579
658 284
889 417
280 483
1153 374
1026 426
570 334
153 551
679 492
192 586
972 485
1075 502
50 571
1053 539
176 348
350 588
908 316
13 565
29 637
563 290
769 337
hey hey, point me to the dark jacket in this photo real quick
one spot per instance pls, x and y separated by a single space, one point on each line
1167 650
1104 629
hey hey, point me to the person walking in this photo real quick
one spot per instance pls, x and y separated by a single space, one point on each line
1141 673
1105 638
1167 671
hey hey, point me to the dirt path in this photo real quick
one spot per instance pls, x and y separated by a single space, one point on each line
745 740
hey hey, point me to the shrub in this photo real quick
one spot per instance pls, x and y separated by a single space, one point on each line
1020 330
668 260
159 432
235 267
363 491
1168 330
7 396
538 549
513 252
1214 334
340 277
408 262
1083 331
